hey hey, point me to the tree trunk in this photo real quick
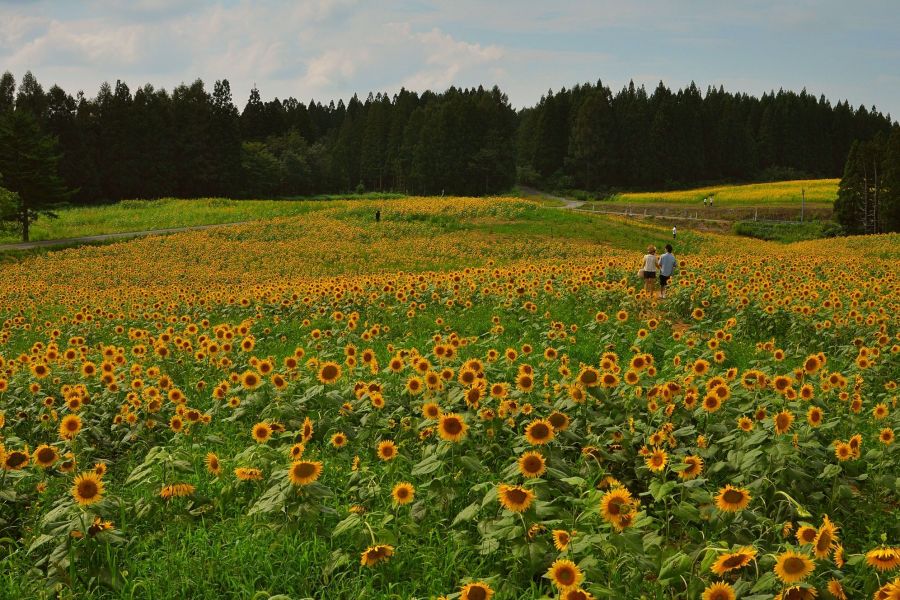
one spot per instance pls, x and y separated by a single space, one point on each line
25 225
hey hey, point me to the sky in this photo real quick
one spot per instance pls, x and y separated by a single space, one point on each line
329 49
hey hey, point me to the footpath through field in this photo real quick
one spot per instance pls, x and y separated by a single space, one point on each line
109 236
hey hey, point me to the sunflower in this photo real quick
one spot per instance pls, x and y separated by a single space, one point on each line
559 420
176 490
15 460
843 451
539 432
693 467
576 593
886 436
814 416
387 450
532 464
719 591
783 421
565 574
69 427
452 427
45 456
798 593
836 589
329 372
430 410
250 380
731 561
212 464
711 403
376 554
306 430
732 499
589 377
339 439
806 535
476 591
825 538
403 493
261 432
618 507
883 559
514 497
304 472
561 539
248 474
525 382
657 460
88 488
791 567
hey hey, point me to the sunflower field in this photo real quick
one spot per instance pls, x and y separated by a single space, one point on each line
473 399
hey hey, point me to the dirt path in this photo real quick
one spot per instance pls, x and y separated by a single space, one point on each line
530 192
108 236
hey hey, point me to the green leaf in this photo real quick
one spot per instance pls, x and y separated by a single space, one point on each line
352 521
466 514
426 466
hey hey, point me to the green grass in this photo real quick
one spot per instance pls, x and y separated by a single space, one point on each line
786 232
789 193
144 215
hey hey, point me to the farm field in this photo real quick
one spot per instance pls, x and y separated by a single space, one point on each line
144 215
470 400
779 193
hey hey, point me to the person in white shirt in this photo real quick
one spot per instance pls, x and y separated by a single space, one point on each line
648 270
674 232
667 264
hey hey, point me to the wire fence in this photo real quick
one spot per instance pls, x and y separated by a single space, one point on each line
711 215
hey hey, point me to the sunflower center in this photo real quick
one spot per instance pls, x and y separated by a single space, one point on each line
794 565
733 496
477 593
566 576
452 426
533 464
329 372
516 496
87 489
304 470
540 431
733 561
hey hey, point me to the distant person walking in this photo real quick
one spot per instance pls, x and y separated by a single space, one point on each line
667 264
704 201
378 215
648 270
674 232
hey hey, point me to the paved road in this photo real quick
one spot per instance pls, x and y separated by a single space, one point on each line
108 236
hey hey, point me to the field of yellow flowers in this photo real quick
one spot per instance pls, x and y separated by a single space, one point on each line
472 399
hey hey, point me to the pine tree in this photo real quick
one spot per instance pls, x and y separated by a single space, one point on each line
28 166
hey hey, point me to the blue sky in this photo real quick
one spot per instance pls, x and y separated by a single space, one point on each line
326 49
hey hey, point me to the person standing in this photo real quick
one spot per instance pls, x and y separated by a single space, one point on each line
648 270
378 215
667 264
674 232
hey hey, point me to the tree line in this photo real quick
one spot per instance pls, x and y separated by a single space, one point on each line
192 141
869 194
589 138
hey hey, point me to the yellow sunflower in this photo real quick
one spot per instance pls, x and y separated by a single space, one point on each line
657 460
476 591
403 493
732 499
329 372
791 567
452 427
387 450
565 574
883 559
731 561
261 432
212 464
45 456
539 432
376 554
719 591
514 497
825 538
69 427
304 472
532 464
87 488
